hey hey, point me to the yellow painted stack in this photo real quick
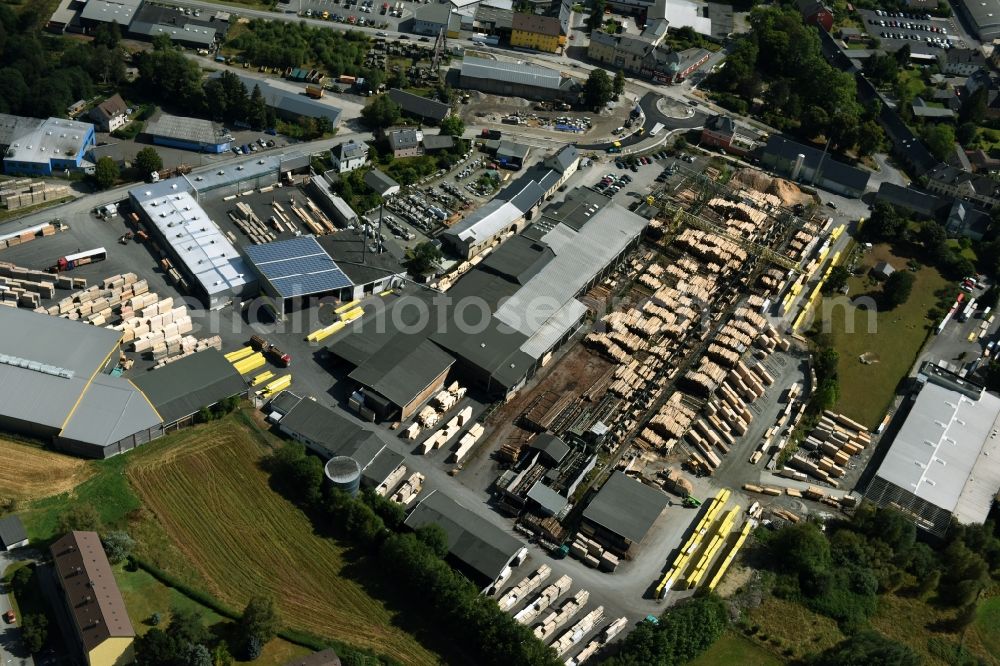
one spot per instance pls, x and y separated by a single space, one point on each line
261 378
239 354
345 307
690 546
351 315
249 363
731 555
279 384
325 332
709 553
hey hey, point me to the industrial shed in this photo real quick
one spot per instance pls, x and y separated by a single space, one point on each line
55 385
196 134
206 259
371 272
944 461
501 77
12 533
482 550
180 389
811 166
291 104
421 107
622 513
328 434
296 271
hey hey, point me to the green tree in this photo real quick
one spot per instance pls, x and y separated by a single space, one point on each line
221 655
381 113
885 225
619 83
435 537
148 160
940 139
259 623
868 648
108 35
966 133
82 516
896 290
423 258
106 173
837 280
973 109
34 632
256 115
155 648
598 89
883 70
869 137
118 546
596 18
453 125
195 655
187 626
682 633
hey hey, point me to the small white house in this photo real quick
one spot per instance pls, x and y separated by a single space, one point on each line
349 156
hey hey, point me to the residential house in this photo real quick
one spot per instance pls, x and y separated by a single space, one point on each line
919 204
348 156
816 13
981 161
961 62
962 184
405 141
923 110
111 114
722 132
966 220
541 33
101 627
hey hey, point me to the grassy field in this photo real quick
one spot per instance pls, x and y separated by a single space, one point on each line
735 650
30 472
782 624
144 595
986 630
238 538
866 390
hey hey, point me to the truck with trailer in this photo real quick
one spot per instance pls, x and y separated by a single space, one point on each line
71 261
277 356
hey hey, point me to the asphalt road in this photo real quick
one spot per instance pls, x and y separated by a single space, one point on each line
12 652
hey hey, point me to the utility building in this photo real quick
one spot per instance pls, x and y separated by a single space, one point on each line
196 134
622 513
944 462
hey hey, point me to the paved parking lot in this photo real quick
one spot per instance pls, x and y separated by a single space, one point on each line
344 9
923 35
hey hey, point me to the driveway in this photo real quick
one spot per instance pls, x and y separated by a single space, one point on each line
12 652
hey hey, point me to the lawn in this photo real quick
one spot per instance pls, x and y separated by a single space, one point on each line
237 537
144 595
911 83
987 626
735 650
892 342
784 624
31 472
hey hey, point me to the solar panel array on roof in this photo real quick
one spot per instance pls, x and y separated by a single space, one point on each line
297 267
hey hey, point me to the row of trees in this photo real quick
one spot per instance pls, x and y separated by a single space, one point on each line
187 641
840 571
780 62
682 633
474 624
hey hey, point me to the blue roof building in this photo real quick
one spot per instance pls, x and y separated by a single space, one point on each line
33 146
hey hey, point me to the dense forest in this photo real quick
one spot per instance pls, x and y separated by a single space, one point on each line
778 69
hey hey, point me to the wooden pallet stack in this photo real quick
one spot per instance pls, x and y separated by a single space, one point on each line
102 304
248 222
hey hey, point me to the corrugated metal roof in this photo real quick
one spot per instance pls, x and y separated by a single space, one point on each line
487 221
602 238
420 106
471 539
510 72
403 368
111 410
187 129
552 330
948 452
548 499
626 507
181 388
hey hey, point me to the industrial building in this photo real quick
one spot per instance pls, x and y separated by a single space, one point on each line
56 386
294 272
12 533
196 134
481 550
111 114
332 204
97 12
622 513
369 272
502 341
501 77
291 104
183 29
35 146
179 390
510 210
944 462
983 17
419 107
198 248
348 156
431 19
102 631
512 155
811 166
331 436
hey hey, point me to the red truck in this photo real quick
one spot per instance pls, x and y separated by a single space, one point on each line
277 356
71 261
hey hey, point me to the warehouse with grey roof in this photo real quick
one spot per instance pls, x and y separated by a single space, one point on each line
196 134
518 79
622 513
482 550
944 462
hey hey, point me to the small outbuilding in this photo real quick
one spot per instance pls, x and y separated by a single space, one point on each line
882 270
12 533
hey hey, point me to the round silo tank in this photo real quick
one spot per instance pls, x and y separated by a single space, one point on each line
344 473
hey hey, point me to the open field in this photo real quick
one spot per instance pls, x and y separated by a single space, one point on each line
987 627
785 623
30 472
144 595
866 390
735 650
239 538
